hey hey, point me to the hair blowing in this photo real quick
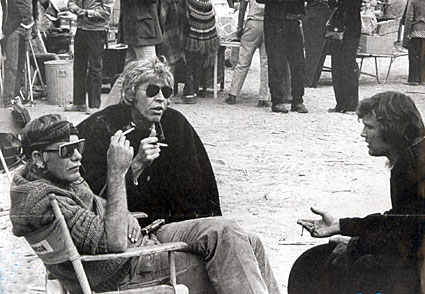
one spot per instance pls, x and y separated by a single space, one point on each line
151 71
401 121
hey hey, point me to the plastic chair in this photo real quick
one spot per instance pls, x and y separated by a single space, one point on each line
53 244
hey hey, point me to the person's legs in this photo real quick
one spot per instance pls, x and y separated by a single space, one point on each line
250 41
294 52
264 72
274 43
11 50
81 48
96 45
413 53
421 67
351 74
189 68
337 64
235 261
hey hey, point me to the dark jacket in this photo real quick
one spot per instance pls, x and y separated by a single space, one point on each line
398 233
139 23
178 185
16 12
283 9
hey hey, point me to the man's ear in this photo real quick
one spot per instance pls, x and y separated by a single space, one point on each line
37 158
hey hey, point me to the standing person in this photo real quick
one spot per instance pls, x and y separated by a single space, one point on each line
175 182
284 43
89 42
381 255
200 48
415 31
18 21
221 257
140 29
251 37
345 71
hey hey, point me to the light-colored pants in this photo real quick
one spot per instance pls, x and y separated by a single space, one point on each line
133 53
223 259
252 38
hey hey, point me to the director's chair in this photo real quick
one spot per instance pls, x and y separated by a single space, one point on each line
53 245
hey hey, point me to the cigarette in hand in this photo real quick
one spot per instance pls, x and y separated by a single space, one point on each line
128 131
162 144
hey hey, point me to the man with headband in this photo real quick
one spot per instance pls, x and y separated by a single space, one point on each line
171 175
221 257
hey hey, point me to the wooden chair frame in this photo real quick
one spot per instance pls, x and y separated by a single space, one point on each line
77 259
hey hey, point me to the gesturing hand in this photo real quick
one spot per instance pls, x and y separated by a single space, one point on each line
148 150
325 227
134 231
119 154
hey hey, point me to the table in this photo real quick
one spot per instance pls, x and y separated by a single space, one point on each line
223 44
392 57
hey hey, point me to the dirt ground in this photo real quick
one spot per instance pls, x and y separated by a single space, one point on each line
270 169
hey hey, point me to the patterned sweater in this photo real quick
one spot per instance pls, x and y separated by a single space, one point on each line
84 214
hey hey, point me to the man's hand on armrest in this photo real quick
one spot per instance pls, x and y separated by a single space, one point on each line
119 157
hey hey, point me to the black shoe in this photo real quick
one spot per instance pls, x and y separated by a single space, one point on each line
335 109
231 99
263 103
280 107
300 108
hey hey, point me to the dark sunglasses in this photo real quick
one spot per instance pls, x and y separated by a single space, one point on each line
153 90
68 149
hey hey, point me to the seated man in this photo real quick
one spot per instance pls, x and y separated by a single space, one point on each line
170 175
222 258
382 254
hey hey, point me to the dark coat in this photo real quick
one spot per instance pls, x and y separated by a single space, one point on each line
16 12
139 23
178 185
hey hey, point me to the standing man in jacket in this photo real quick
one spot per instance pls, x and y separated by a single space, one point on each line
89 42
284 43
19 18
382 252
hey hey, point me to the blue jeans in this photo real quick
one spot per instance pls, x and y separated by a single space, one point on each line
222 259
88 46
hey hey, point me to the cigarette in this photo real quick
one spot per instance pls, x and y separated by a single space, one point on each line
162 144
128 131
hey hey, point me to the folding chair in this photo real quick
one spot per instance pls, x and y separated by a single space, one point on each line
53 245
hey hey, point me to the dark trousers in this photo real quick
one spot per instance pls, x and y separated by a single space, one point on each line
312 273
14 47
284 39
345 73
416 60
193 71
88 52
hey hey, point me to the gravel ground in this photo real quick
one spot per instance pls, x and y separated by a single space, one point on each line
270 168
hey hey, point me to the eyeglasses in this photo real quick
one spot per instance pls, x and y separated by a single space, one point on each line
68 149
153 90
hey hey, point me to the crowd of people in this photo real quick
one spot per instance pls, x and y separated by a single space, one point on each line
139 154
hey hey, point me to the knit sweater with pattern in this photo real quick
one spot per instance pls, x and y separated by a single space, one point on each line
84 215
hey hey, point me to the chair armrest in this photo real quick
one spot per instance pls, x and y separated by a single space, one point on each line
139 214
137 251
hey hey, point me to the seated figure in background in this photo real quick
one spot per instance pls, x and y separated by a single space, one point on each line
170 175
384 251
221 257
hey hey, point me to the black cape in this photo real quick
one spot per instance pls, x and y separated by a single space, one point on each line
178 185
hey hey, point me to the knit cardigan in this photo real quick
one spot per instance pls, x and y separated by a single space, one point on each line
84 215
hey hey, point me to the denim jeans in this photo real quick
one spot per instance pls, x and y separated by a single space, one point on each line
14 48
251 40
222 259
284 44
88 46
